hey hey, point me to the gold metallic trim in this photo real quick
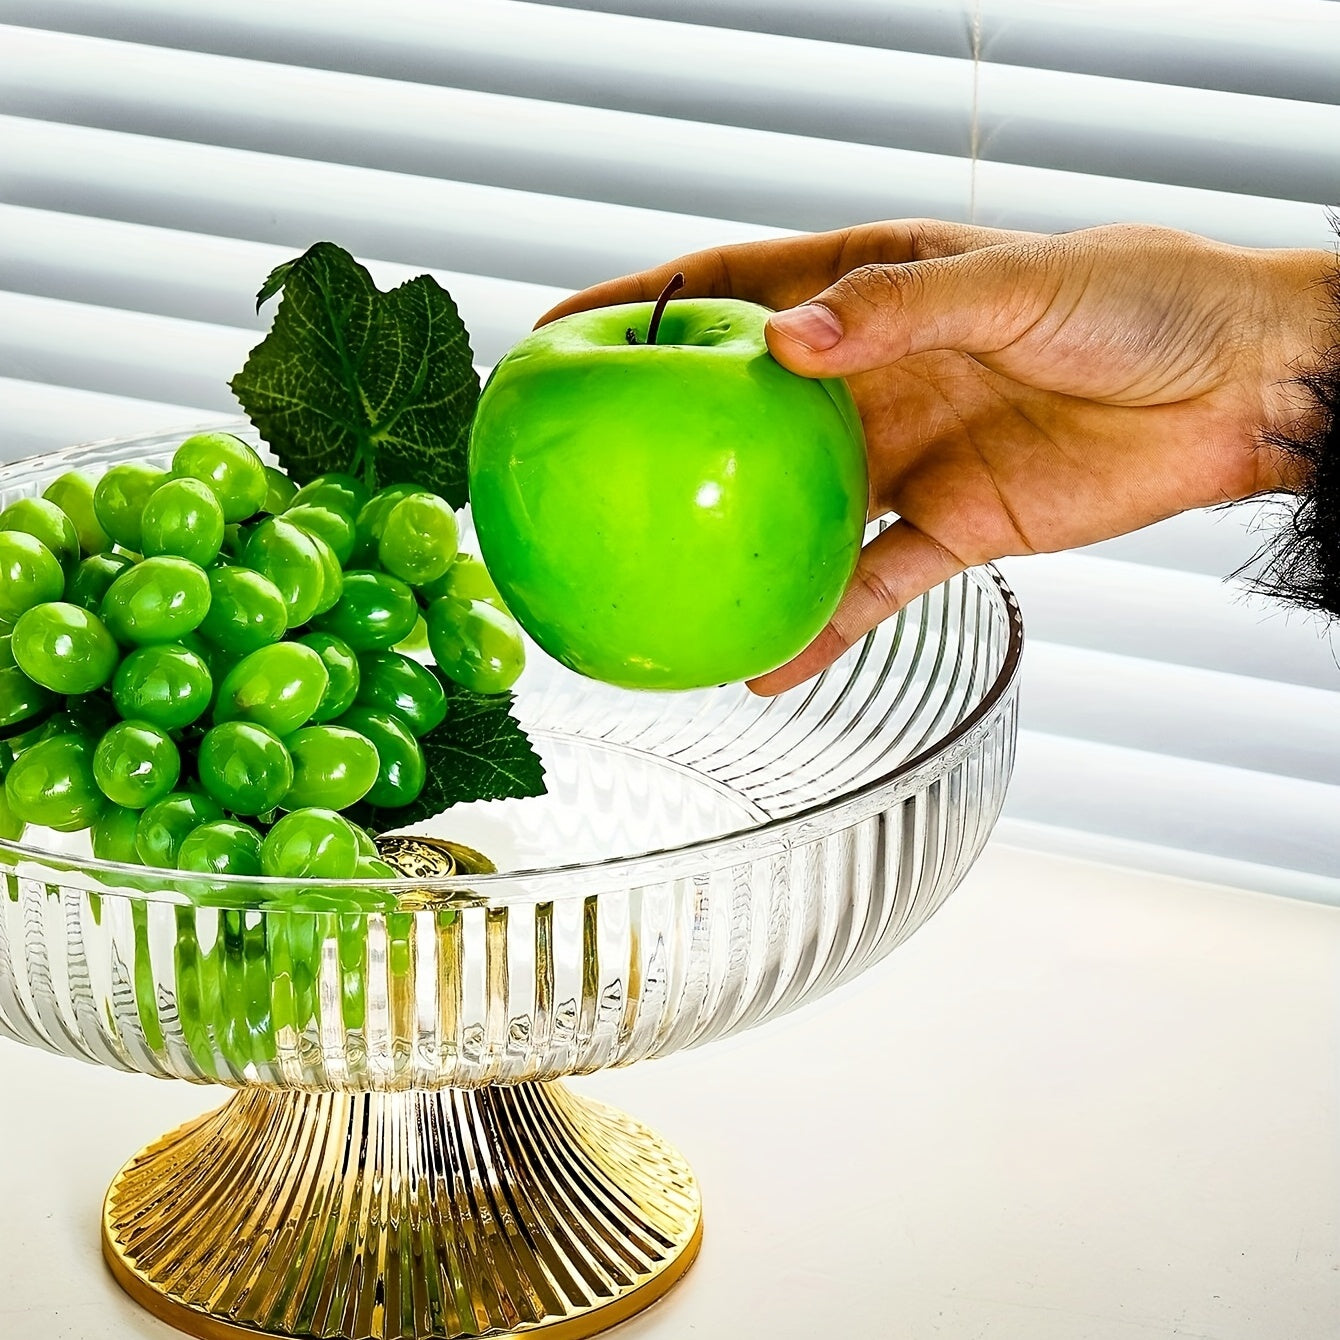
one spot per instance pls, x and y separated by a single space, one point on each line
419 1216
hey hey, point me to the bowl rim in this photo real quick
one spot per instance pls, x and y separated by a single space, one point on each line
491 888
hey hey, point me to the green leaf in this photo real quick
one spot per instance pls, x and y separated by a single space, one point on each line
381 385
479 752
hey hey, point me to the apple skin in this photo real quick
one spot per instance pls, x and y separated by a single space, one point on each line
670 515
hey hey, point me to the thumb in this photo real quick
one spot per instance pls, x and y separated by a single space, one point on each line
979 302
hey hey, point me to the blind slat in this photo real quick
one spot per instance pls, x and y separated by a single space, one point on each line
197 277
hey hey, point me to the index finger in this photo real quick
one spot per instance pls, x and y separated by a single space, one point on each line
782 272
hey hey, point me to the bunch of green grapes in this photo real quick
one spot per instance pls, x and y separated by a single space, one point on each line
206 665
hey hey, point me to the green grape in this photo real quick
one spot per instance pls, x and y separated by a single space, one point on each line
183 517
466 579
168 686
339 492
366 845
279 490
375 612
164 825
89 582
51 784
136 764
245 767
326 524
333 767
401 769
221 847
246 610
332 575
120 497
277 687
46 522
20 698
341 671
419 538
29 574
73 494
373 867
395 683
11 826
114 835
156 601
64 648
372 516
476 644
230 467
417 641
310 844
290 559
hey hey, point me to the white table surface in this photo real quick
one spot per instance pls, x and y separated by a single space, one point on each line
1082 1104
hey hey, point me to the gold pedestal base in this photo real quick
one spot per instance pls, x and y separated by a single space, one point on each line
419 1216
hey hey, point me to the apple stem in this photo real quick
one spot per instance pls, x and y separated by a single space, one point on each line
676 283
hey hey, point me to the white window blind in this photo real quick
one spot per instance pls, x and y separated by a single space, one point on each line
158 158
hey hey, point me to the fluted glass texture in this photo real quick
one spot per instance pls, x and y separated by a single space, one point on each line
702 862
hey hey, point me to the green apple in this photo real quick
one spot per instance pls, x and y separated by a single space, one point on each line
667 512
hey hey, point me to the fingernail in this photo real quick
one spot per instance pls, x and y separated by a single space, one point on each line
811 325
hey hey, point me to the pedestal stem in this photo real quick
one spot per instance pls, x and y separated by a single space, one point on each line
420 1216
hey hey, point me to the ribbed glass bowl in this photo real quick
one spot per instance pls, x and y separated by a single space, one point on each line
702 862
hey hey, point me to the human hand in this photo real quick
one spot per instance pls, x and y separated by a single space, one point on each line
1023 393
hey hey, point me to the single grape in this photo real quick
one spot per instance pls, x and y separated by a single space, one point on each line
45 521
73 494
164 825
372 516
401 769
325 523
366 844
156 601
290 559
339 492
114 835
136 764
279 490
221 847
333 767
245 767
277 687
341 671
466 579
230 467
29 574
64 648
395 683
476 644
373 867
20 698
332 575
375 612
419 538
90 581
310 844
183 517
51 784
246 610
119 499
168 686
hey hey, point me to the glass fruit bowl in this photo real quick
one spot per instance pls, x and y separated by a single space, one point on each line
399 1159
